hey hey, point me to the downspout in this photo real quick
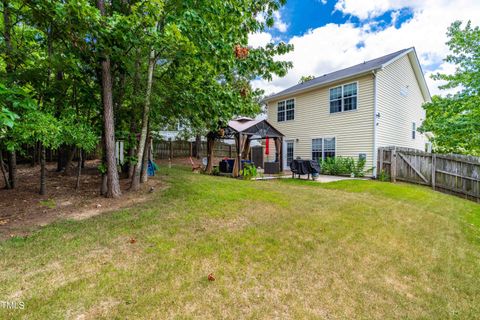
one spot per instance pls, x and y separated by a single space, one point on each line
375 124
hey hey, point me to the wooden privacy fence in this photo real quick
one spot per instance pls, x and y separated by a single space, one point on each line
450 173
182 149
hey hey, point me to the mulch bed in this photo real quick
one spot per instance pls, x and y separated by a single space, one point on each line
23 210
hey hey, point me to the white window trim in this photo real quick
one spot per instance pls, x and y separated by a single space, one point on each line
341 105
323 145
285 112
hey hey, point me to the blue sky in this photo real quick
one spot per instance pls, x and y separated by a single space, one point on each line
333 34
310 14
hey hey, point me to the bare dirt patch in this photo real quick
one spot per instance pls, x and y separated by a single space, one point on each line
23 210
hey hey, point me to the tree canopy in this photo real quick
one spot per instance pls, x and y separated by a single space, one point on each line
455 120
75 74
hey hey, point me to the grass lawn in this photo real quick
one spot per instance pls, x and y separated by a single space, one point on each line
278 249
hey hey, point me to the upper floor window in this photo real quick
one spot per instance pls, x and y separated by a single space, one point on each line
281 111
343 98
414 130
286 110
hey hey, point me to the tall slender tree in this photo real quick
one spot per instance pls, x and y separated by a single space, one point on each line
113 184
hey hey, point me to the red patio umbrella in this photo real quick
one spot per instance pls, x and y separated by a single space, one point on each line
267 146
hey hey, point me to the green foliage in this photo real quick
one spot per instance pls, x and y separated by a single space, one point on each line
455 124
465 54
455 119
13 102
38 127
56 48
343 166
102 168
249 171
49 203
216 171
383 176
79 133
304 79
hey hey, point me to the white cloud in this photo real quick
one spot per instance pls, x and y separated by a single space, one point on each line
374 8
334 46
259 39
279 24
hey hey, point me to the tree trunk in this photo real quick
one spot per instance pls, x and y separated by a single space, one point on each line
104 185
71 155
4 172
198 145
43 180
9 67
210 147
12 169
146 157
34 155
59 159
131 165
143 136
79 169
113 184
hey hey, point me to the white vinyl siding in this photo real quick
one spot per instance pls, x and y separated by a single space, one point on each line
353 131
399 102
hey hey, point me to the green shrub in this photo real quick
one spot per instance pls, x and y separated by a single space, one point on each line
216 171
249 171
343 166
383 176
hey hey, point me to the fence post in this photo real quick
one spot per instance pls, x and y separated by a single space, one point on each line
393 165
380 158
434 169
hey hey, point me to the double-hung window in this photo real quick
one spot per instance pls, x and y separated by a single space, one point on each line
290 109
343 98
281 111
286 110
323 148
328 148
414 130
317 147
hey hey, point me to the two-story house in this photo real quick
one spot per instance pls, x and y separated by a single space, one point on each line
353 111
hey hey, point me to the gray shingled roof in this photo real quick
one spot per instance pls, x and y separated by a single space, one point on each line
341 74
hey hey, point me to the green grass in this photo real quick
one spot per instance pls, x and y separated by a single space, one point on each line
278 249
49 203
